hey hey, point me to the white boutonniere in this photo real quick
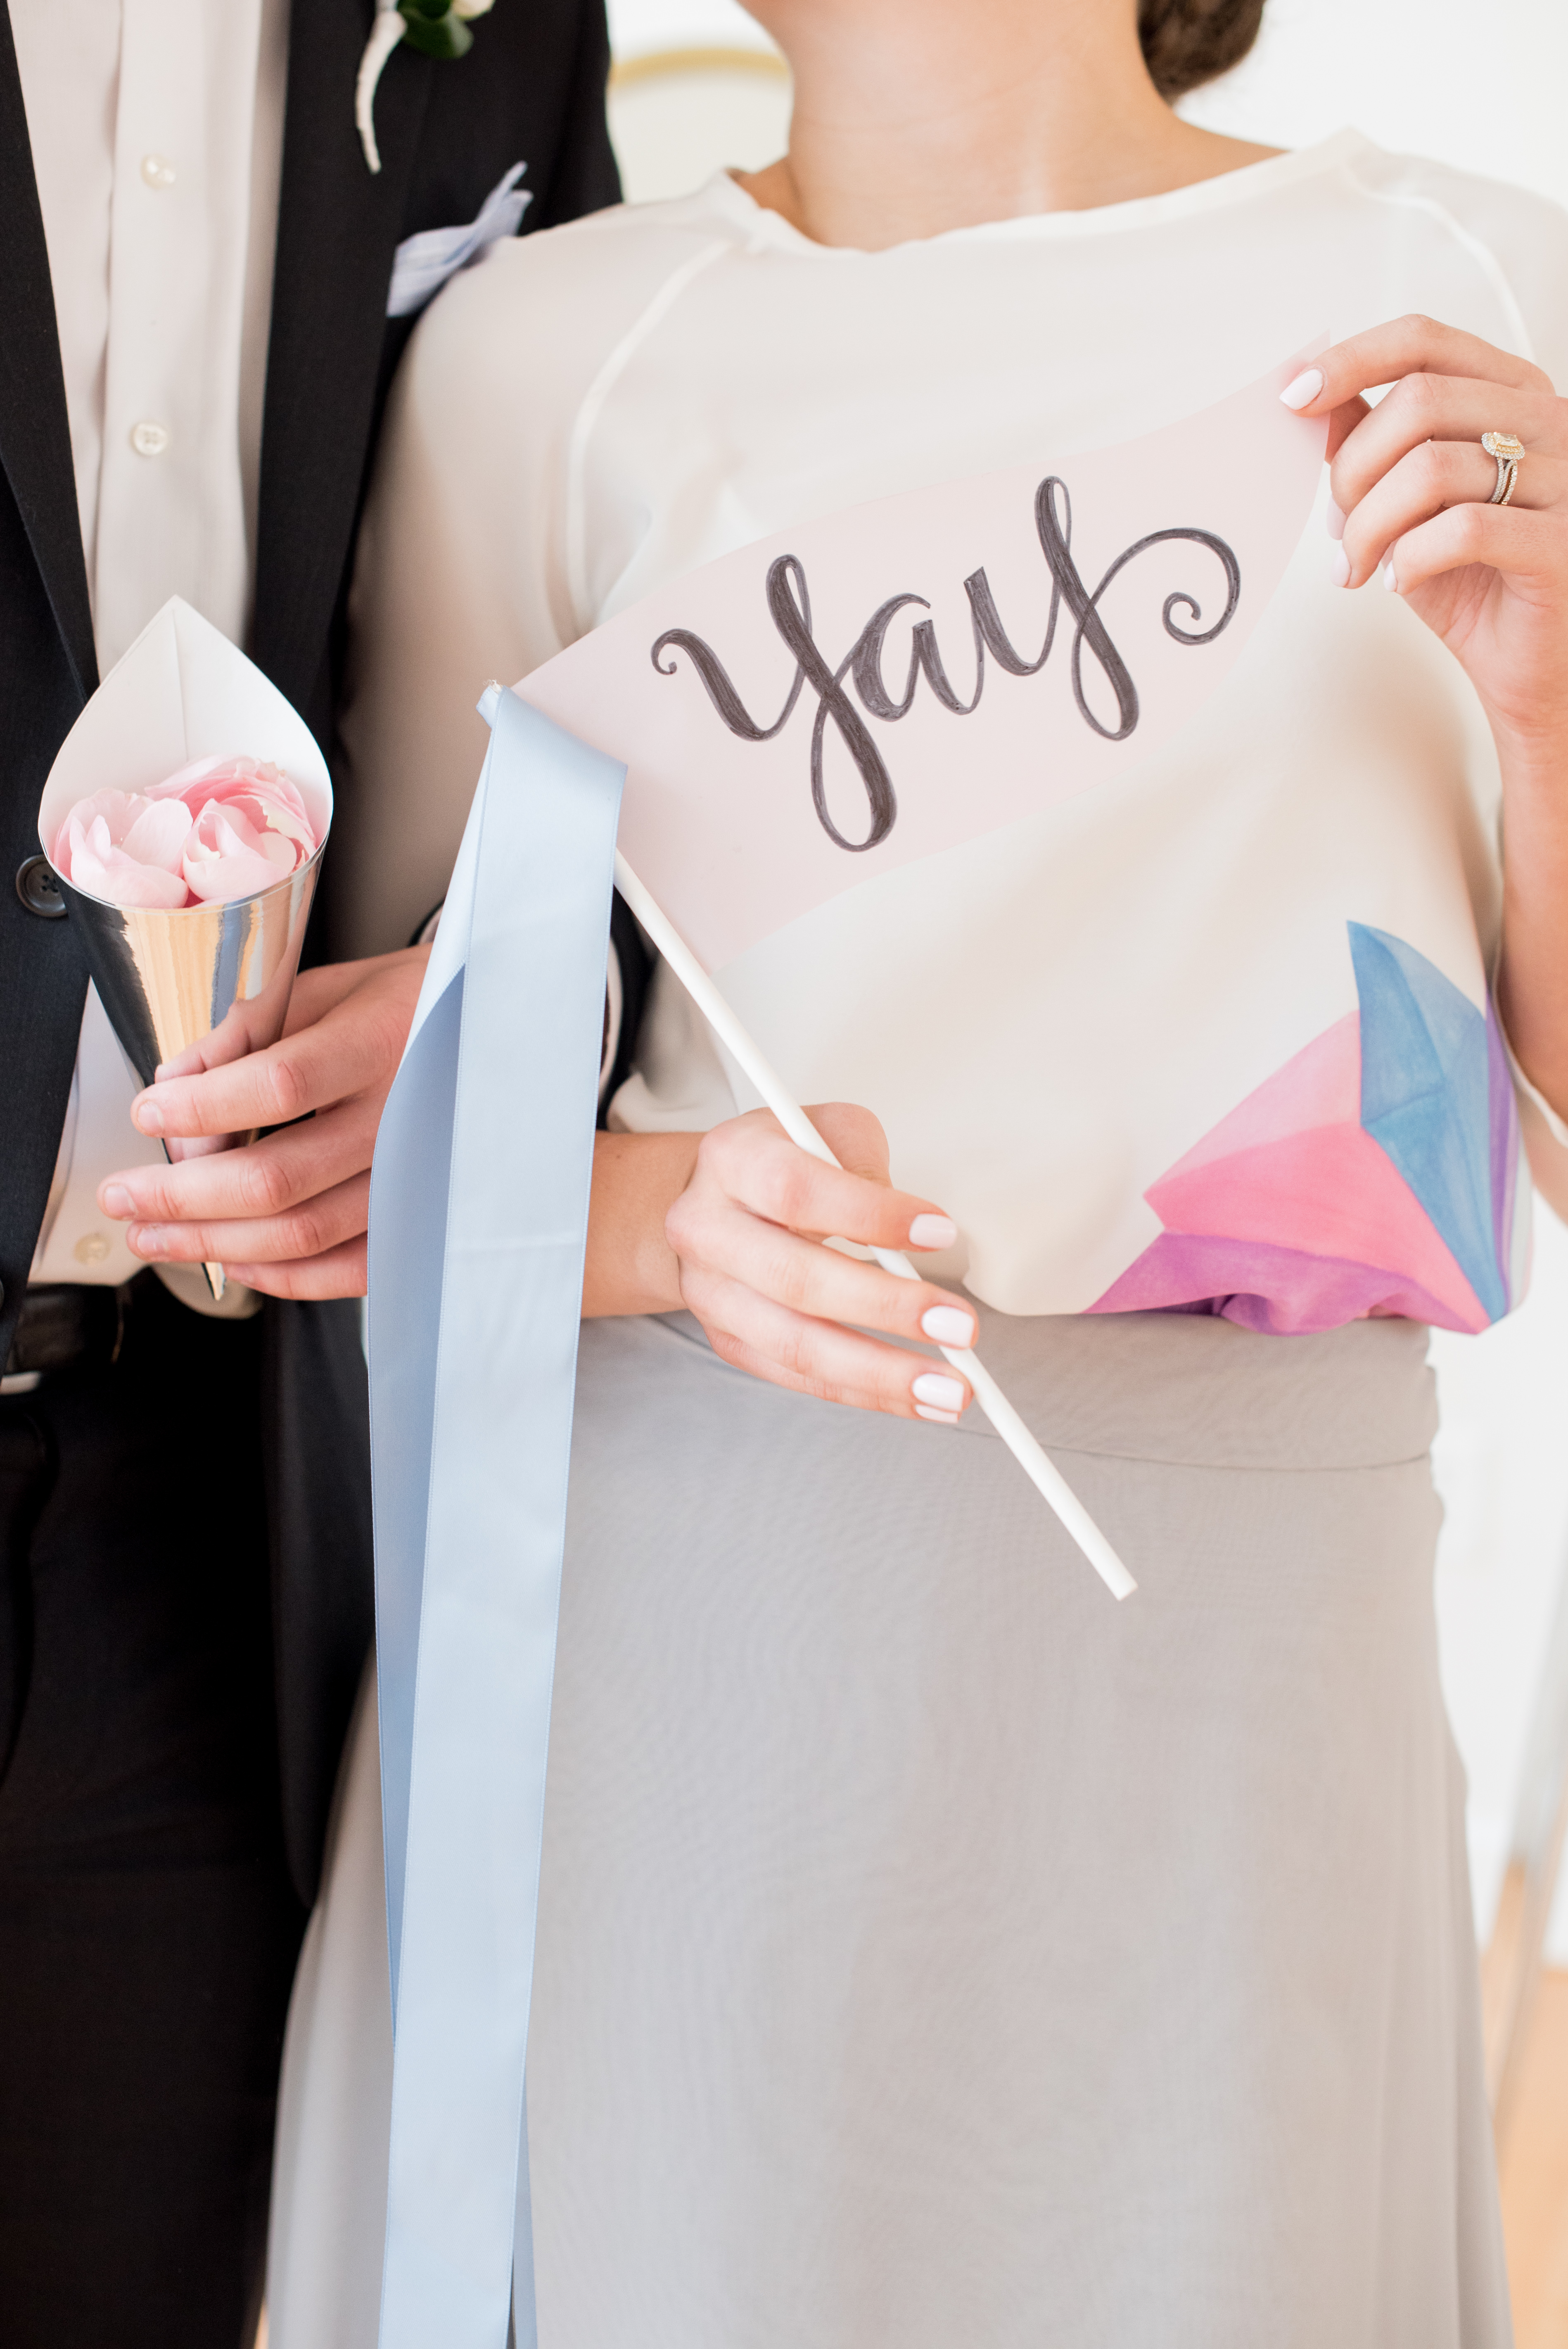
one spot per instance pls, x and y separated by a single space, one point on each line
439 27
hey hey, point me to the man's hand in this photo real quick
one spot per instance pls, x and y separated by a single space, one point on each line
286 1214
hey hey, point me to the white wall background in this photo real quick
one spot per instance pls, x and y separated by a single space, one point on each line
1485 88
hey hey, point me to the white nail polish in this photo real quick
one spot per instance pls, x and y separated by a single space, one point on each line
1339 567
1389 581
935 1387
948 1325
942 1418
1334 520
1304 390
933 1232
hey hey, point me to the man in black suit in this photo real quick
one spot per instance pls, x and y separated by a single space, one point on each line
185 1571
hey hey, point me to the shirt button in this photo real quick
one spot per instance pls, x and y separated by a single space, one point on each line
157 171
149 440
91 1249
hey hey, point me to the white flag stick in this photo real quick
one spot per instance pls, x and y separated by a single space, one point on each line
1041 1472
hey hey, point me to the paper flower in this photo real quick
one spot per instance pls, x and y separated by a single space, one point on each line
215 831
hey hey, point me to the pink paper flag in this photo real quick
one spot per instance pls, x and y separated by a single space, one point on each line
881 684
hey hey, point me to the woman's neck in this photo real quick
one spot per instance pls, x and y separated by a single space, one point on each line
912 116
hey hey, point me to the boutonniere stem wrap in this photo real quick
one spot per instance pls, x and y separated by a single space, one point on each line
438 28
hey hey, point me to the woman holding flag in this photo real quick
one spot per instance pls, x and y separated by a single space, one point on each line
929 1950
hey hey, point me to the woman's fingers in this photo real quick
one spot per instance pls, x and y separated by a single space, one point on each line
752 1161
804 1277
1528 549
776 1302
1434 408
1429 480
822 1358
1407 347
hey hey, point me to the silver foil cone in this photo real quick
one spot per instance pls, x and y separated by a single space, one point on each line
169 979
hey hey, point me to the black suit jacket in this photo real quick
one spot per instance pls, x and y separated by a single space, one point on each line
531 90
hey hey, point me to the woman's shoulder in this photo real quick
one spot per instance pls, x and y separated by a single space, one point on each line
1512 237
563 299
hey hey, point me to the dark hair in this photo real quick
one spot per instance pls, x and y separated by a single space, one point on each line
1186 42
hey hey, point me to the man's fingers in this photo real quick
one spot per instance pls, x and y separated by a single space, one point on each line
340 1272
322 988
310 1229
266 1178
1409 345
354 1047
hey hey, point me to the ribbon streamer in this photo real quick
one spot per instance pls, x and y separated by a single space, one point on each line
479 1214
477 1239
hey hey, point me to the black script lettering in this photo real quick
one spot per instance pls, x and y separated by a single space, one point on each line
1055 541
790 608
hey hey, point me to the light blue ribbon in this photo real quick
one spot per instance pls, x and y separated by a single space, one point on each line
479 1211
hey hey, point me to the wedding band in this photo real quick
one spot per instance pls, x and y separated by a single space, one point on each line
1506 451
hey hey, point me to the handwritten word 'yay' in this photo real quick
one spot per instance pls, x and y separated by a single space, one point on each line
790 609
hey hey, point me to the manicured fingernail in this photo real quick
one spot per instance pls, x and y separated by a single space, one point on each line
1389 581
948 1325
1334 520
1339 567
933 1232
116 1200
942 1418
146 1239
1304 390
149 1116
934 1387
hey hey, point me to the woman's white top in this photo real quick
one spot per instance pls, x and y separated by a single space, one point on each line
1216 1034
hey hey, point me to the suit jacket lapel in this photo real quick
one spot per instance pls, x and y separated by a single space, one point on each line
338 225
35 430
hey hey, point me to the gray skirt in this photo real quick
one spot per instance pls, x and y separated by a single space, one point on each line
933 1953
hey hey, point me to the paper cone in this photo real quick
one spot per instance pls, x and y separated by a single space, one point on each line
169 979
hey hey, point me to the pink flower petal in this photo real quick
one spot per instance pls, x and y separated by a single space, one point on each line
219 829
118 810
121 881
229 778
219 880
158 835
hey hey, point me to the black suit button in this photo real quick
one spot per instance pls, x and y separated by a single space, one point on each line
39 890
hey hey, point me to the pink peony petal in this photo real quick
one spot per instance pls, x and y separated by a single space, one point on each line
158 835
122 881
226 779
219 880
219 829
118 810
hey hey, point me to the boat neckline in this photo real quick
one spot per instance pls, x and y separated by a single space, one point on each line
724 193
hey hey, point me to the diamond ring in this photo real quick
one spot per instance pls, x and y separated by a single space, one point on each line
1507 450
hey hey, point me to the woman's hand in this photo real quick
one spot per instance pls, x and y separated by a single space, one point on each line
729 1225
1413 483
1412 486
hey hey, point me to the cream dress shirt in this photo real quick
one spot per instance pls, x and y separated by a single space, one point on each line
157 136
